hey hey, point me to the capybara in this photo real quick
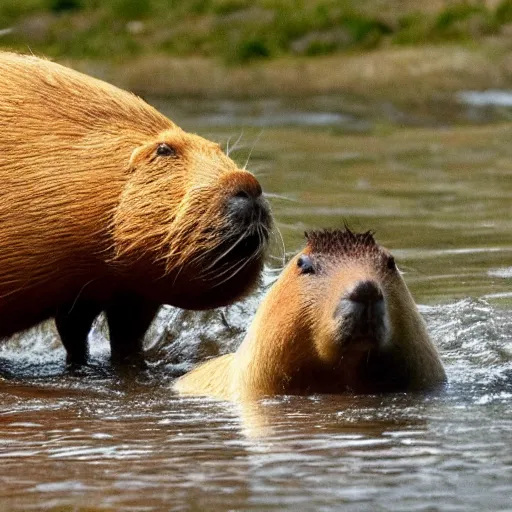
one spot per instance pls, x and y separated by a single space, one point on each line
339 319
107 205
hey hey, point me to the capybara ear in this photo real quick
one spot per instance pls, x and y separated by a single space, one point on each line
138 154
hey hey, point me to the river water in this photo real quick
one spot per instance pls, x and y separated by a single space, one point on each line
437 195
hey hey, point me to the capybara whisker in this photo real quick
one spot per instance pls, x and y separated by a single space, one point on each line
280 197
217 272
283 246
227 271
256 254
252 149
235 145
110 206
227 251
240 265
227 145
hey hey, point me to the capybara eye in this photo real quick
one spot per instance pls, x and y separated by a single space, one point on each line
164 149
305 264
391 263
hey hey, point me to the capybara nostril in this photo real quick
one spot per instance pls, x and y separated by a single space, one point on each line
365 292
242 194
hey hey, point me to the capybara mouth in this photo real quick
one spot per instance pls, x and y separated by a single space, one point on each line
243 249
249 232
362 343
362 335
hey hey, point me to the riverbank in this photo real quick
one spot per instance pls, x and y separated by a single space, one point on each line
402 74
403 50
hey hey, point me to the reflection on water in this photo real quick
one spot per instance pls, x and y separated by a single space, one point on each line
344 112
440 199
484 98
123 442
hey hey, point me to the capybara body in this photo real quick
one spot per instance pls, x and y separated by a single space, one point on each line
339 319
106 205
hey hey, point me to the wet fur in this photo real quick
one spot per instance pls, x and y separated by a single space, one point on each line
289 347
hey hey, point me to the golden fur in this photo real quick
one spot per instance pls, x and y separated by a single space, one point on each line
293 347
88 210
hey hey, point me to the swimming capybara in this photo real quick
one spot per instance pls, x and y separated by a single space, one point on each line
107 205
339 318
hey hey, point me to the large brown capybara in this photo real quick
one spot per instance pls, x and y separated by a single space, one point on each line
339 318
106 205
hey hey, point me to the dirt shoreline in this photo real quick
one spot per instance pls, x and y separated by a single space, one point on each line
403 74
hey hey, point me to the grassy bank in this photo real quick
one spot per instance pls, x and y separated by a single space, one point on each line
262 47
407 75
240 31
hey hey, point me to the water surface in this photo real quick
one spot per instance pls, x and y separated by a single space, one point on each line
440 199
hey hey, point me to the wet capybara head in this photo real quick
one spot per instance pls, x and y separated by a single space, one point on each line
348 319
339 319
347 283
190 214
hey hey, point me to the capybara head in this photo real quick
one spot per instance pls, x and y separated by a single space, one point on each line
357 324
349 284
339 318
189 213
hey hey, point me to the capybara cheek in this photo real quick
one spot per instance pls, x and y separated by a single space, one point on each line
328 339
134 237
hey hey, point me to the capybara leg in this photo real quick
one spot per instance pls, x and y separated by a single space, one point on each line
73 324
129 317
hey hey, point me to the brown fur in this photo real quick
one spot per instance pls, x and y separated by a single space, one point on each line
293 347
89 212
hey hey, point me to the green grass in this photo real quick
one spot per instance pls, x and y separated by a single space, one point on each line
239 31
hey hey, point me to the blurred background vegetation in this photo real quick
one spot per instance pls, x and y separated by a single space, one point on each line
239 31
237 34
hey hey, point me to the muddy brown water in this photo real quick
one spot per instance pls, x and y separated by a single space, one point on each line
440 198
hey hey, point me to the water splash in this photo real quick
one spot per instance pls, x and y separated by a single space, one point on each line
475 340
473 336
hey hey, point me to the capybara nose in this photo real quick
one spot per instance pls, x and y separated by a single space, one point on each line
247 204
365 292
244 185
364 302
365 307
246 210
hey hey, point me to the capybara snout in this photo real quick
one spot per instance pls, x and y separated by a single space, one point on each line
213 221
247 207
245 204
107 205
362 317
